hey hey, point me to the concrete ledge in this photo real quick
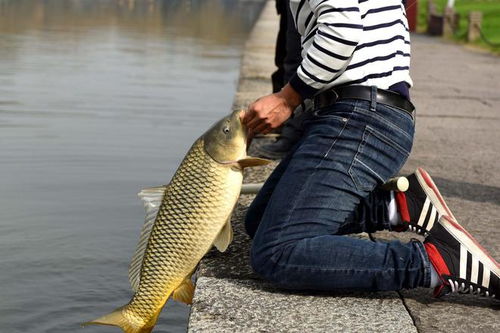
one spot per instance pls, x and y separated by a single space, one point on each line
228 305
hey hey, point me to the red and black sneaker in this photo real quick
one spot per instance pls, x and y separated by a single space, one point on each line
422 204
462 264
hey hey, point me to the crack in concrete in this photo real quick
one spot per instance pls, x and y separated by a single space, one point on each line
413 318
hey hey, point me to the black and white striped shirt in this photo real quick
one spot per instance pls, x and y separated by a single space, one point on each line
363 42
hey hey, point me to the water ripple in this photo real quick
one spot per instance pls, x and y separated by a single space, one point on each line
98 99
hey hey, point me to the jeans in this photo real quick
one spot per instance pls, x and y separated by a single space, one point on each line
326 188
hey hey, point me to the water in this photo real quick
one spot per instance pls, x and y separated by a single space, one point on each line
98 99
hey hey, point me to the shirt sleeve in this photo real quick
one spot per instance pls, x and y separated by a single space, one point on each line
336 34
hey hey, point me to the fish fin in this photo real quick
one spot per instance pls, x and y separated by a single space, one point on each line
250 161
185 292
225 237
117 318
152 199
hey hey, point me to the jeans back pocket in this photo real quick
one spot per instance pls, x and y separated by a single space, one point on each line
378 158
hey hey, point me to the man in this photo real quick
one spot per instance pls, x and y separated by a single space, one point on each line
287 58
356 57
282 46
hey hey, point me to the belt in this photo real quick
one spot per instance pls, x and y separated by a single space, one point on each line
385 97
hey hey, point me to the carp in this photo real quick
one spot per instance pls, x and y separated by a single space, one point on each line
184 219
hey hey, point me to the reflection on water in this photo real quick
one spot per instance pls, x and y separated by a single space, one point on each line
98 99
209 20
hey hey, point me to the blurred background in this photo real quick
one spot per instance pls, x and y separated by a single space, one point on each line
99 99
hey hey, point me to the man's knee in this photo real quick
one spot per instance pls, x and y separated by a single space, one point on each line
267 262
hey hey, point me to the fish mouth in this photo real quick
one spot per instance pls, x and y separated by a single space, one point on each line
241 115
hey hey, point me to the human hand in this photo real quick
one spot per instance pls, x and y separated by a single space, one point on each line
271 111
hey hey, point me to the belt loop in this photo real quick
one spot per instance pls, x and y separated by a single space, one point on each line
373 98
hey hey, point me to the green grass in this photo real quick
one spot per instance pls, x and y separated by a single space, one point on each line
490 25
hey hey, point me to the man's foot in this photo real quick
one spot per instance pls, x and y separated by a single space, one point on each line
461 263
290 134
421 205
275 150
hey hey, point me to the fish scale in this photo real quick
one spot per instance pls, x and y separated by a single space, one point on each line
196 206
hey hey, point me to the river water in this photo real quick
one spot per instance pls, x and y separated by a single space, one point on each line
99 99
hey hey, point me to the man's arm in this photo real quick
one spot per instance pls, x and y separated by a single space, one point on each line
271 111
336 35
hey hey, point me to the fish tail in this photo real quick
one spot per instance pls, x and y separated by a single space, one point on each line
118 318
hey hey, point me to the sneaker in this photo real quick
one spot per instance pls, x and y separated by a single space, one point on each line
275 150
421 205
462 264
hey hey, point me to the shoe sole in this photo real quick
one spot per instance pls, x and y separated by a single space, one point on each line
433 193
472 245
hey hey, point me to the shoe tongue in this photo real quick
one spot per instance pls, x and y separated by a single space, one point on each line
415 204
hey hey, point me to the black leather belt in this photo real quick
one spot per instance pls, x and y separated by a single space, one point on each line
386 97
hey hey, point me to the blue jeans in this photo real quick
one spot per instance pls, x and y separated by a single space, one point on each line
327 188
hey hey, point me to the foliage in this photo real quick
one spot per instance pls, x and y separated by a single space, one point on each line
490 25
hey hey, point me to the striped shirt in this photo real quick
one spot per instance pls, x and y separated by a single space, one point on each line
346 42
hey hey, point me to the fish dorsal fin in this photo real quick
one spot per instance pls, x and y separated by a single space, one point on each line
225 237
185 292
151 198
250 161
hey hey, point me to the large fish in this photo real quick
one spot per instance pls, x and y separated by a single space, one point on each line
183 221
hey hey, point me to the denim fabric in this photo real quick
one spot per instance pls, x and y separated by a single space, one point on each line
327 188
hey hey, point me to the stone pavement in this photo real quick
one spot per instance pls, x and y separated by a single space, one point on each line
457 94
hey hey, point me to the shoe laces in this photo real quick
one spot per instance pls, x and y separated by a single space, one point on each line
465 288
418 230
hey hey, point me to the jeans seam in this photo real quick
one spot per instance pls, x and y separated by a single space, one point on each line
426 263
333 144
308 180
386 121
373 171
401 111
332 269
360 148
387 140
317 115
366 134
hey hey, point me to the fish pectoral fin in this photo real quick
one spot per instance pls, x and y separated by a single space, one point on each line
225 237
185 292
250 161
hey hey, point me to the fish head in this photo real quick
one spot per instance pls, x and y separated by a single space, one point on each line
226 140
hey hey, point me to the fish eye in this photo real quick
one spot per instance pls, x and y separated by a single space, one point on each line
225 130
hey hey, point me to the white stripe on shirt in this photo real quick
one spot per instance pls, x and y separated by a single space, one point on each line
351 41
